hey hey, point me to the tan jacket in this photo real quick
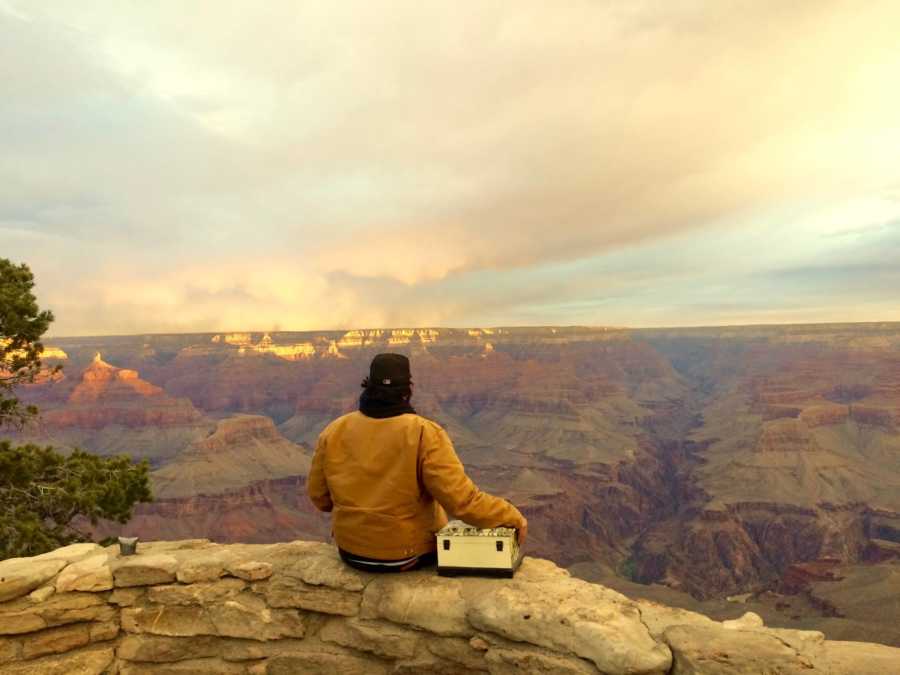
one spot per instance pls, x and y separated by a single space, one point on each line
385 481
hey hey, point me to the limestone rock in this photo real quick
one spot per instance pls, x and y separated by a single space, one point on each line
71 553
89 574
173 621
468 654
42 593
801 640
414 599
537 569
55 640
159 649
190 546
324 663
23 616
15 621
512 661
207 565
576 617
200 571
104 630
66 638
859 658
9 650
428 662
286 591
127 597
295 608
715 650
145 570
206 666
20 576
205 593
323 567
479 644
748 621
659 617
378 637
87 661
251 571
233 649
245 616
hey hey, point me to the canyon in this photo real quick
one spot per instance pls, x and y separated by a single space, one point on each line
690 466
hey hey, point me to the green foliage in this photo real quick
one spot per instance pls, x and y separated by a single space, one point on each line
42 492
44 495
22 324
628 569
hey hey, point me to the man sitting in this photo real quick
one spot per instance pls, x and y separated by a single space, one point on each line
387 474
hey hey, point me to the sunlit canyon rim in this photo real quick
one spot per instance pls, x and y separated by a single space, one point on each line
710 463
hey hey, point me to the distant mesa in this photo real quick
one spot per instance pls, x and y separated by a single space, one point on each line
241 450
102 381
404 336
288 352
107 395
360 338
238 339
393 338
293 351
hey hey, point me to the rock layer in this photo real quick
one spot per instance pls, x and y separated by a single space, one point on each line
197 607
711 460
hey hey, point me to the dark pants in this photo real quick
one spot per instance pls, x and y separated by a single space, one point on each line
374 565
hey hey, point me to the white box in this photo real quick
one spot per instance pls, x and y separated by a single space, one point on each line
465 549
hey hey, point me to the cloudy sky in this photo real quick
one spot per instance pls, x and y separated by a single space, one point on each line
186 166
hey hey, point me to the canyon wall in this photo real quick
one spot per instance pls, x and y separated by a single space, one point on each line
197 607
715 461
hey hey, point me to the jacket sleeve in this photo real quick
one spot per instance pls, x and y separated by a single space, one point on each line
445 479
316 486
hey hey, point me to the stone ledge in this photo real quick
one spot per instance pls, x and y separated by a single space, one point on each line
198 607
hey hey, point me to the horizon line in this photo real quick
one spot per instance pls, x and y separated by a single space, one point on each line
483 327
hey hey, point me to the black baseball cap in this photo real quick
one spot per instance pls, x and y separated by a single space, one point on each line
390 370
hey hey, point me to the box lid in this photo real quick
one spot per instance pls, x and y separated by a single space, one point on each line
457 528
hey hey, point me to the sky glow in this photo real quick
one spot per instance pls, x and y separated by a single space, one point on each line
208 166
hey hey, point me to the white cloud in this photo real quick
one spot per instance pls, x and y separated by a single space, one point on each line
409 146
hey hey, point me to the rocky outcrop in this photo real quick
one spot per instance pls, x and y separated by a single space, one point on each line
106 395
196 607
242 450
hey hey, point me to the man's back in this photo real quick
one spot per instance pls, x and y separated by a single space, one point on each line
385 481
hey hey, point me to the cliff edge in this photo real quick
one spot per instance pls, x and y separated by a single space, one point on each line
198 607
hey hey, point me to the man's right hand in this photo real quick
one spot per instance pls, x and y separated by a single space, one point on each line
522 532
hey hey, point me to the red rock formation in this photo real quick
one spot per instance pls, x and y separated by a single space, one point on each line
106 395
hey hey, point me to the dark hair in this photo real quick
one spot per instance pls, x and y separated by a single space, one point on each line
386 392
